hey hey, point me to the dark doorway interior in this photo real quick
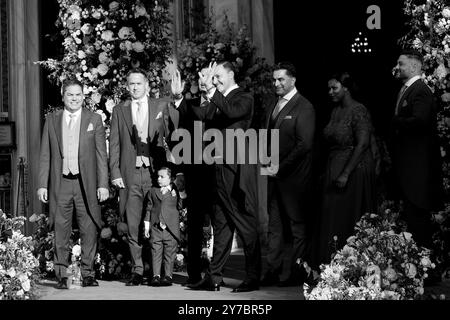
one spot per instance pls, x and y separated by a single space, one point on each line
50 48
317 36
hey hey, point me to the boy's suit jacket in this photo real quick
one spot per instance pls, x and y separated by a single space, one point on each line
168 205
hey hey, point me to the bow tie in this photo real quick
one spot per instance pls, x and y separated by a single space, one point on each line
166 189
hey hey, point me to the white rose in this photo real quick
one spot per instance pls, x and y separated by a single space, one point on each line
86 28
107 35
103 57
113 6
110 105
26 286
139 11
128 45
81 54
1 288
11 272
446 13
124 33
76 250
102 69
96 14
426 262
441 71
411 270
138 46
20 293
96 97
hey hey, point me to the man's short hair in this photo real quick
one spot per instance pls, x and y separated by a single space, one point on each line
70 82
413 54
288 66
228 66
139 71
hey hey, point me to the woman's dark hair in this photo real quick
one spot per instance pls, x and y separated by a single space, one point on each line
347 81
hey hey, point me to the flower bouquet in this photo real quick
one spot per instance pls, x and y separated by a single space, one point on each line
379 262
19 269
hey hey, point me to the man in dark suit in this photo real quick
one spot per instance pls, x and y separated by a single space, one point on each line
200 184
73 172
230 107
415 148
289 183
136 148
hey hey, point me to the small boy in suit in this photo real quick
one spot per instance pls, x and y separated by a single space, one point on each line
162 216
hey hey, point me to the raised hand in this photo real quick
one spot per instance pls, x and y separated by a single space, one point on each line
207 78
177 85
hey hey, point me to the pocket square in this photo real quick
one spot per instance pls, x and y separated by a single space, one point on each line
159 116
405 103
90 127
288 117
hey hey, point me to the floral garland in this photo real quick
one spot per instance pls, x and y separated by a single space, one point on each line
253 73
429 33
102 40
19 269
380 262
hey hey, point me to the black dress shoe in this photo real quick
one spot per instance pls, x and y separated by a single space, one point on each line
156 281
166 281
246 286
90 282
269 279
135 280
62 284
205 284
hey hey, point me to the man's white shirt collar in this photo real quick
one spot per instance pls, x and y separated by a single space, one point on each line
76 113
230 89
289 95
412 80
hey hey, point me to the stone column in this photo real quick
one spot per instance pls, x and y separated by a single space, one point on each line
25 98
257 15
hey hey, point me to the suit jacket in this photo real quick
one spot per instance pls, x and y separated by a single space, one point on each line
92 160
123 138
235 111
416 147
296 125
168 206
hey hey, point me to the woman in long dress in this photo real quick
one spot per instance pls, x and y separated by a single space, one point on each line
349 181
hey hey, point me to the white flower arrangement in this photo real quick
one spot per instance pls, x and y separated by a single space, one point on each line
377 263
19 269
103 41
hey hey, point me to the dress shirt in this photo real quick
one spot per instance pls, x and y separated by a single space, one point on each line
75 118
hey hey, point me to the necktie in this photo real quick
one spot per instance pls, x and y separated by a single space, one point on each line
277 108
71 121
400 94
139 110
